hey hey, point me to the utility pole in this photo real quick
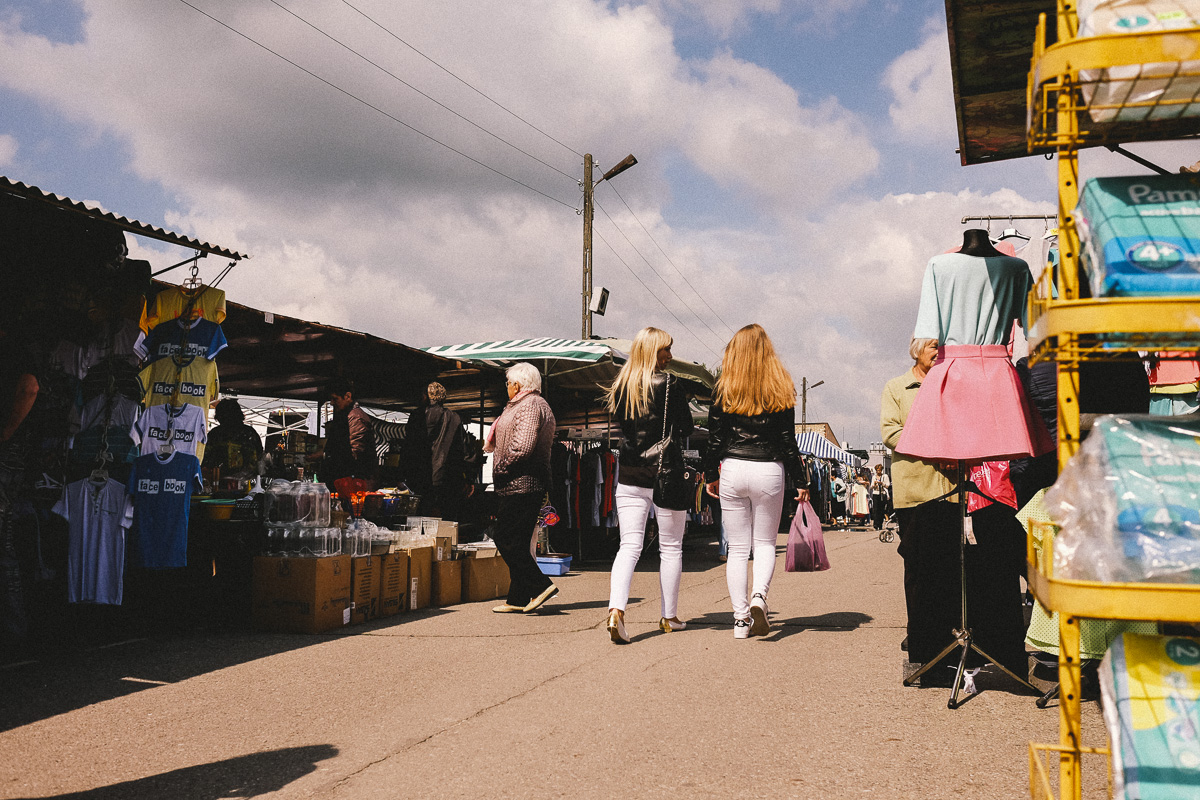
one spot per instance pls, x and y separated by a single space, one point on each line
589 212
804 387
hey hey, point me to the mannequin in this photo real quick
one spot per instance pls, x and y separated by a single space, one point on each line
976 242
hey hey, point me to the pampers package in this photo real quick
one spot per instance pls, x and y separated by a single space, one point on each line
1150 697
1141 235
1137 92
1128 503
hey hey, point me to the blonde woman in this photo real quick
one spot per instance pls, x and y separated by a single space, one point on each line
639 400
752 458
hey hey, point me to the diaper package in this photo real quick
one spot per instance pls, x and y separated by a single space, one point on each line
1141 235
1128 503
1166 90
1150 697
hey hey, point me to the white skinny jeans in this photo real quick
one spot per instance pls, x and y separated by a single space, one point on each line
752 495
633 509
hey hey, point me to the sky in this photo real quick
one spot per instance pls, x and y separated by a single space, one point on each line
413 169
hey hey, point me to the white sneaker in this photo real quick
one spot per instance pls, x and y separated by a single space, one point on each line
741 628
759 624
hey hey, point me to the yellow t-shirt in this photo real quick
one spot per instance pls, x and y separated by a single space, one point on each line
165 381
170 302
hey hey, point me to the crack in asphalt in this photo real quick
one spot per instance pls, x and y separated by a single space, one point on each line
478 713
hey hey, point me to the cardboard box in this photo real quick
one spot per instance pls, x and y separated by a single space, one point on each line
448 530
364 589
420 577
484 579
447 583
478 550
393 583
301 595
443 548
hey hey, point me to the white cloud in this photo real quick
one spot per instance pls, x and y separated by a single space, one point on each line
353 220
8 149
922 108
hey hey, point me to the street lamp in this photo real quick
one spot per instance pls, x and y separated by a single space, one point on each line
589 211
804 387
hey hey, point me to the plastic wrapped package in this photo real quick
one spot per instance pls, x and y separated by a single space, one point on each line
1150 696
1141 235
1138 92
1128 503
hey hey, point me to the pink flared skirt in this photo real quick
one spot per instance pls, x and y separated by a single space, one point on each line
972 407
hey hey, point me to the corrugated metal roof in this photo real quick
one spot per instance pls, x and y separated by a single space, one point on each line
132 225
991 45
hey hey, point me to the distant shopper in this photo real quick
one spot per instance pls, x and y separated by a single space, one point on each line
520 442
641 398
751 459
233 446
881 489
435 438
350 462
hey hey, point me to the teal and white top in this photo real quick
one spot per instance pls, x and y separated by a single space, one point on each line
972 299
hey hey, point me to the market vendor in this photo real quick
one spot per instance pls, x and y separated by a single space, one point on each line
18 391
349 451
233 446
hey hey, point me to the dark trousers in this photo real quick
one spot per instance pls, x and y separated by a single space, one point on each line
929 543
13 621
515 519
878 509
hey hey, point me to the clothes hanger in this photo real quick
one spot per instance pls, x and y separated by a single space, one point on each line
193 282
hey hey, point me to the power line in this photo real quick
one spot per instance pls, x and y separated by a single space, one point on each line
656 297
660 277
431 99
672 263
460 80
373 107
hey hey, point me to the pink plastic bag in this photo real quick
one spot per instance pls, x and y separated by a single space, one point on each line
992 478
806 542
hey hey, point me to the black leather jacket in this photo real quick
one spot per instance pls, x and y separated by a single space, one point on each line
760 437
638 468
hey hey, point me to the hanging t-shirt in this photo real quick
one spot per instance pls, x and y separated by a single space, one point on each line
87 445
109 376
169 304
176 338
116 409
97 516
162 497
183 425
972 299
167 381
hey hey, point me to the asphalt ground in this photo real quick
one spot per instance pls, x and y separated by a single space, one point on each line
461 702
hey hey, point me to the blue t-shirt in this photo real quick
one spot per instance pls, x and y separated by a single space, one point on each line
162 496
204 340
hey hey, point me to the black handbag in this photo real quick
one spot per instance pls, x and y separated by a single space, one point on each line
674 482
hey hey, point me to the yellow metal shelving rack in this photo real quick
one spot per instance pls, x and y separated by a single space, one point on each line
1063 101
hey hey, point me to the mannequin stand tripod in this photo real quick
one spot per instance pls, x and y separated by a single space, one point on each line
963 637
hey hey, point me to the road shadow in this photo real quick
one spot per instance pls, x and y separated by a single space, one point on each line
245 776
834 622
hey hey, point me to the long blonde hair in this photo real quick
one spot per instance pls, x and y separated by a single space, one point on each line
630 391
753 380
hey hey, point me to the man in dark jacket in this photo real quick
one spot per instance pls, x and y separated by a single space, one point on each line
350 441
437 463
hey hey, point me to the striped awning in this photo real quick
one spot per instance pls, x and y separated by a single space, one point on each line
817 445
501 353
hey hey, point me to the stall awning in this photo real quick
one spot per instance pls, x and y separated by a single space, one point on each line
817 445
991 46
18 189
270 355
574 364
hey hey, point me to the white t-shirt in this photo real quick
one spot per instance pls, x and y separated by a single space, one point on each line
184 426
97 516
